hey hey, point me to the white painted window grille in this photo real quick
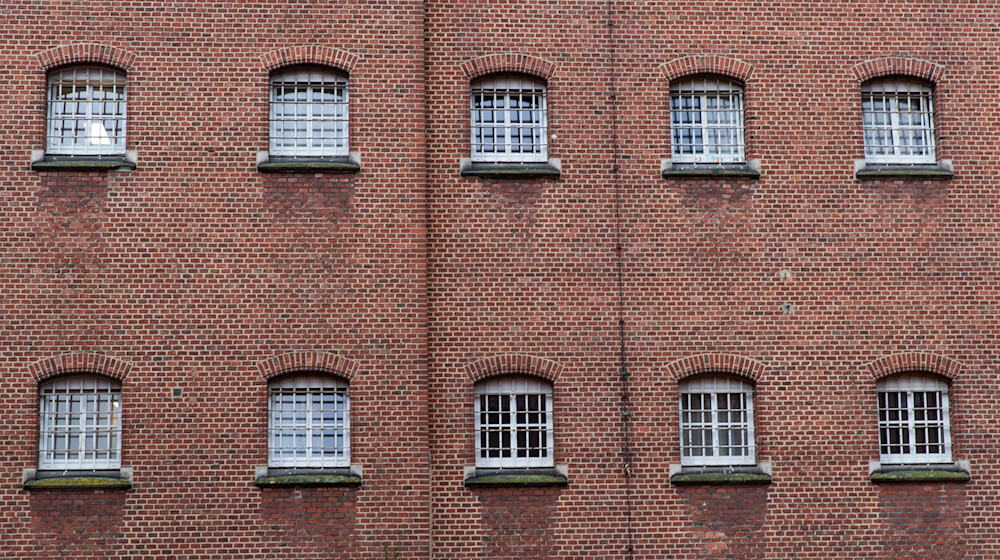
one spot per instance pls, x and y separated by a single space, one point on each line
898 121
81 423
717 421
86 111
509 120
309 113
309 422
706 121
513 423
913 422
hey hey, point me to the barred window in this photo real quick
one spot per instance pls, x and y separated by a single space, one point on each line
509 120
717 421
513 423
81 423
913 420
309 113
706 120
898 118
86 111
309 422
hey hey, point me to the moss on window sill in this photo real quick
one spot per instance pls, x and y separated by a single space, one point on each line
709 171
919 475
516 477
311 479
78 483
82 164
539 170
725 478
311 165
873 171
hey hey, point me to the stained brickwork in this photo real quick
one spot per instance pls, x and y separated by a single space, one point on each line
195 278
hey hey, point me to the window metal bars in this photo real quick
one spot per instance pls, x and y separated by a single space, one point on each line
309 114
914 427
80 424
309 427
513 423
509 121
86 112
898 122
716 421
707 121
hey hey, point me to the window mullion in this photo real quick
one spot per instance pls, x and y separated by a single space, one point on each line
715 425
309 449
705 153
897 149
911 449
508 147
512 426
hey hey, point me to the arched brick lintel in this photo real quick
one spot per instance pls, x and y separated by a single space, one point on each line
80 362
914 361
309 54
508 62
308 361
707 64
707 363
506 364
898 65
85 52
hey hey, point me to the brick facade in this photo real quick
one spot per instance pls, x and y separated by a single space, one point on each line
195 278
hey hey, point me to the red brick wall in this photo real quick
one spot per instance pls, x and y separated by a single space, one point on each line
195 268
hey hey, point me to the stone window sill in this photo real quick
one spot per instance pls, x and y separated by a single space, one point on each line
83 163
485 478
940 170
278 164
735 475
120 479
672 170
540 170
272 478
948 472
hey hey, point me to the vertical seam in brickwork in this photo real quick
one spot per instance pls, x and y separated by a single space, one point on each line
624 375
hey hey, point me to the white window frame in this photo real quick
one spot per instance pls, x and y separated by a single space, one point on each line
511 387
891 90
909 383
712 385
97 143
312 78
86 425
506 86
308 384
704 88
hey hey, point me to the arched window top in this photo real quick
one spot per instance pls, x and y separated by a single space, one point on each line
715 382
514 383
913 381
509 119
913 419
86 110
898 120
717 426
309 112
706 120
308 421
80 425
307 380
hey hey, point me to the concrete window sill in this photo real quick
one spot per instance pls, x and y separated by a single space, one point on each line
345 165
958 472
273 478
485 478
540 170
673 170
748 475
78 480
82 163
941 170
